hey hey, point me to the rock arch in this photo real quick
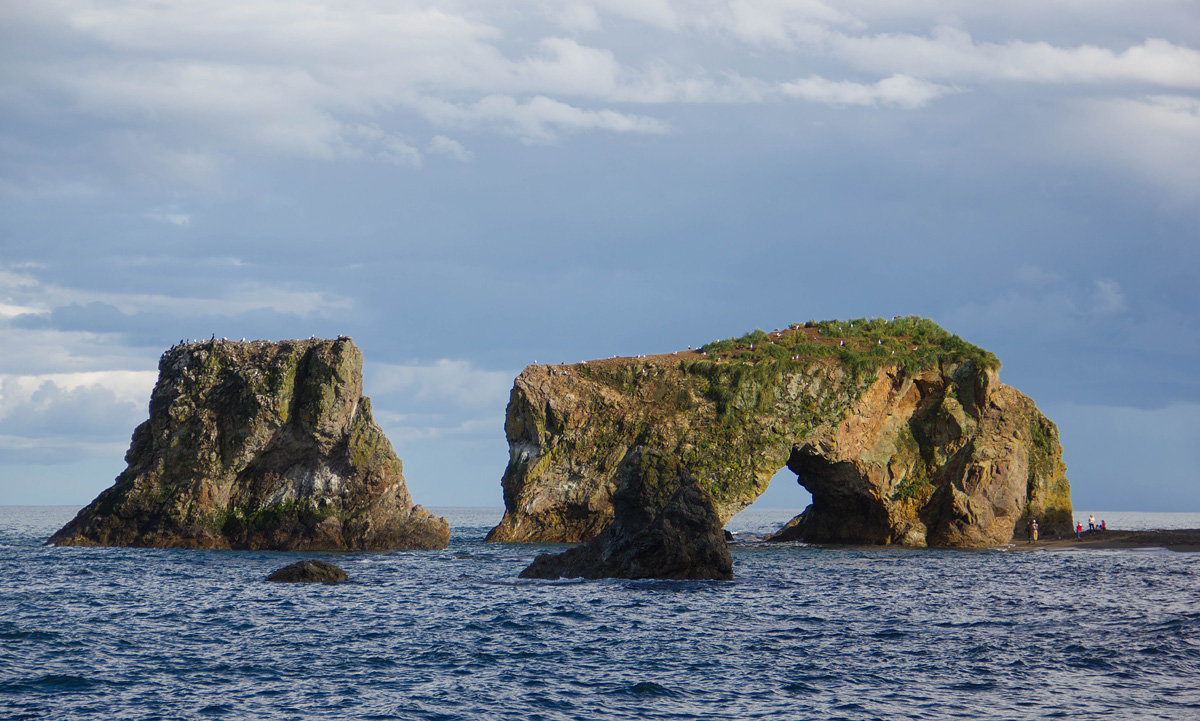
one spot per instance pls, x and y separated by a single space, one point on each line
927 448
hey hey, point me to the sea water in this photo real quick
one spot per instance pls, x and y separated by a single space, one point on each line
801 633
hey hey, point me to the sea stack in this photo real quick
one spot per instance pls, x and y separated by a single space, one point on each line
664 526
259 445
901 431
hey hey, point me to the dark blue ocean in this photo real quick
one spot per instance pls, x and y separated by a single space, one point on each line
802 633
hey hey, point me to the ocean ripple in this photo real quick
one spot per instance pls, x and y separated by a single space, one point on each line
803 633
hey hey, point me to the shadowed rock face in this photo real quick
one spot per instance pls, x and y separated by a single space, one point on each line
664 526
259 446
925 447
309 572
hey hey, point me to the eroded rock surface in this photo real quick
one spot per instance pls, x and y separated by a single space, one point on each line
259 446
901 432
664 526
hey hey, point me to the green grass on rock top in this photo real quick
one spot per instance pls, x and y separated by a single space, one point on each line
859 345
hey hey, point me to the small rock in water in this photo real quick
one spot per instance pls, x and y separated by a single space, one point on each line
309 572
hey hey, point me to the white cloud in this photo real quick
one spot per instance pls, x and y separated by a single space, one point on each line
540 119
25 291
951 53
405 429
1107 297
182 91
444 381
65 417
171 216
898 91
778 22
126 386
447 400
1157 137
441 145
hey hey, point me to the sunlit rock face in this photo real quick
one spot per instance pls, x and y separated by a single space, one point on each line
259 445
901 432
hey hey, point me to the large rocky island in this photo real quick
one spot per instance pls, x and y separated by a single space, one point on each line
901 432
259 445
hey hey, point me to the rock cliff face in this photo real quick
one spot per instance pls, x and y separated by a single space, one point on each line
901 432
259 446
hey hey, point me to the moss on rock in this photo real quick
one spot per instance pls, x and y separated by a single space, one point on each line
259 445
898 428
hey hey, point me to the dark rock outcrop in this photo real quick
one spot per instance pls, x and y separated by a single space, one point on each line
259 446
309 572
901 432
664 526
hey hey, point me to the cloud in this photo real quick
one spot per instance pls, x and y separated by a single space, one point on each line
899 91
444 381
46 299
783 23
952 53
540 119
65 417
443 418
152 92
1108 297
170 216
1157 137
1046 304
441 145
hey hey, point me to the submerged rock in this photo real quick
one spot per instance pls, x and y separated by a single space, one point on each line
664 526
309 572
901 432
259 446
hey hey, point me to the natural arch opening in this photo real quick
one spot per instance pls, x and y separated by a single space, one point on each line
783 500
843 508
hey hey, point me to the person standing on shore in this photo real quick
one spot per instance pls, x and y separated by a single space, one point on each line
1079 531
1091 521
1033 530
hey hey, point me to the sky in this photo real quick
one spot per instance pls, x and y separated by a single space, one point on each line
468 187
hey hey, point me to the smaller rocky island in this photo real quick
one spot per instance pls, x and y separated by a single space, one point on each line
259 445
664 526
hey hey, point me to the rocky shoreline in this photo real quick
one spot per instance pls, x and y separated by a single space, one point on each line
1172 539
1185 540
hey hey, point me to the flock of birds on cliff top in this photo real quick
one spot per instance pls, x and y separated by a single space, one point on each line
189 341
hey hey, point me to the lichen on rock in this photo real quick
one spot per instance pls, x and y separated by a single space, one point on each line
901 432
259 445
